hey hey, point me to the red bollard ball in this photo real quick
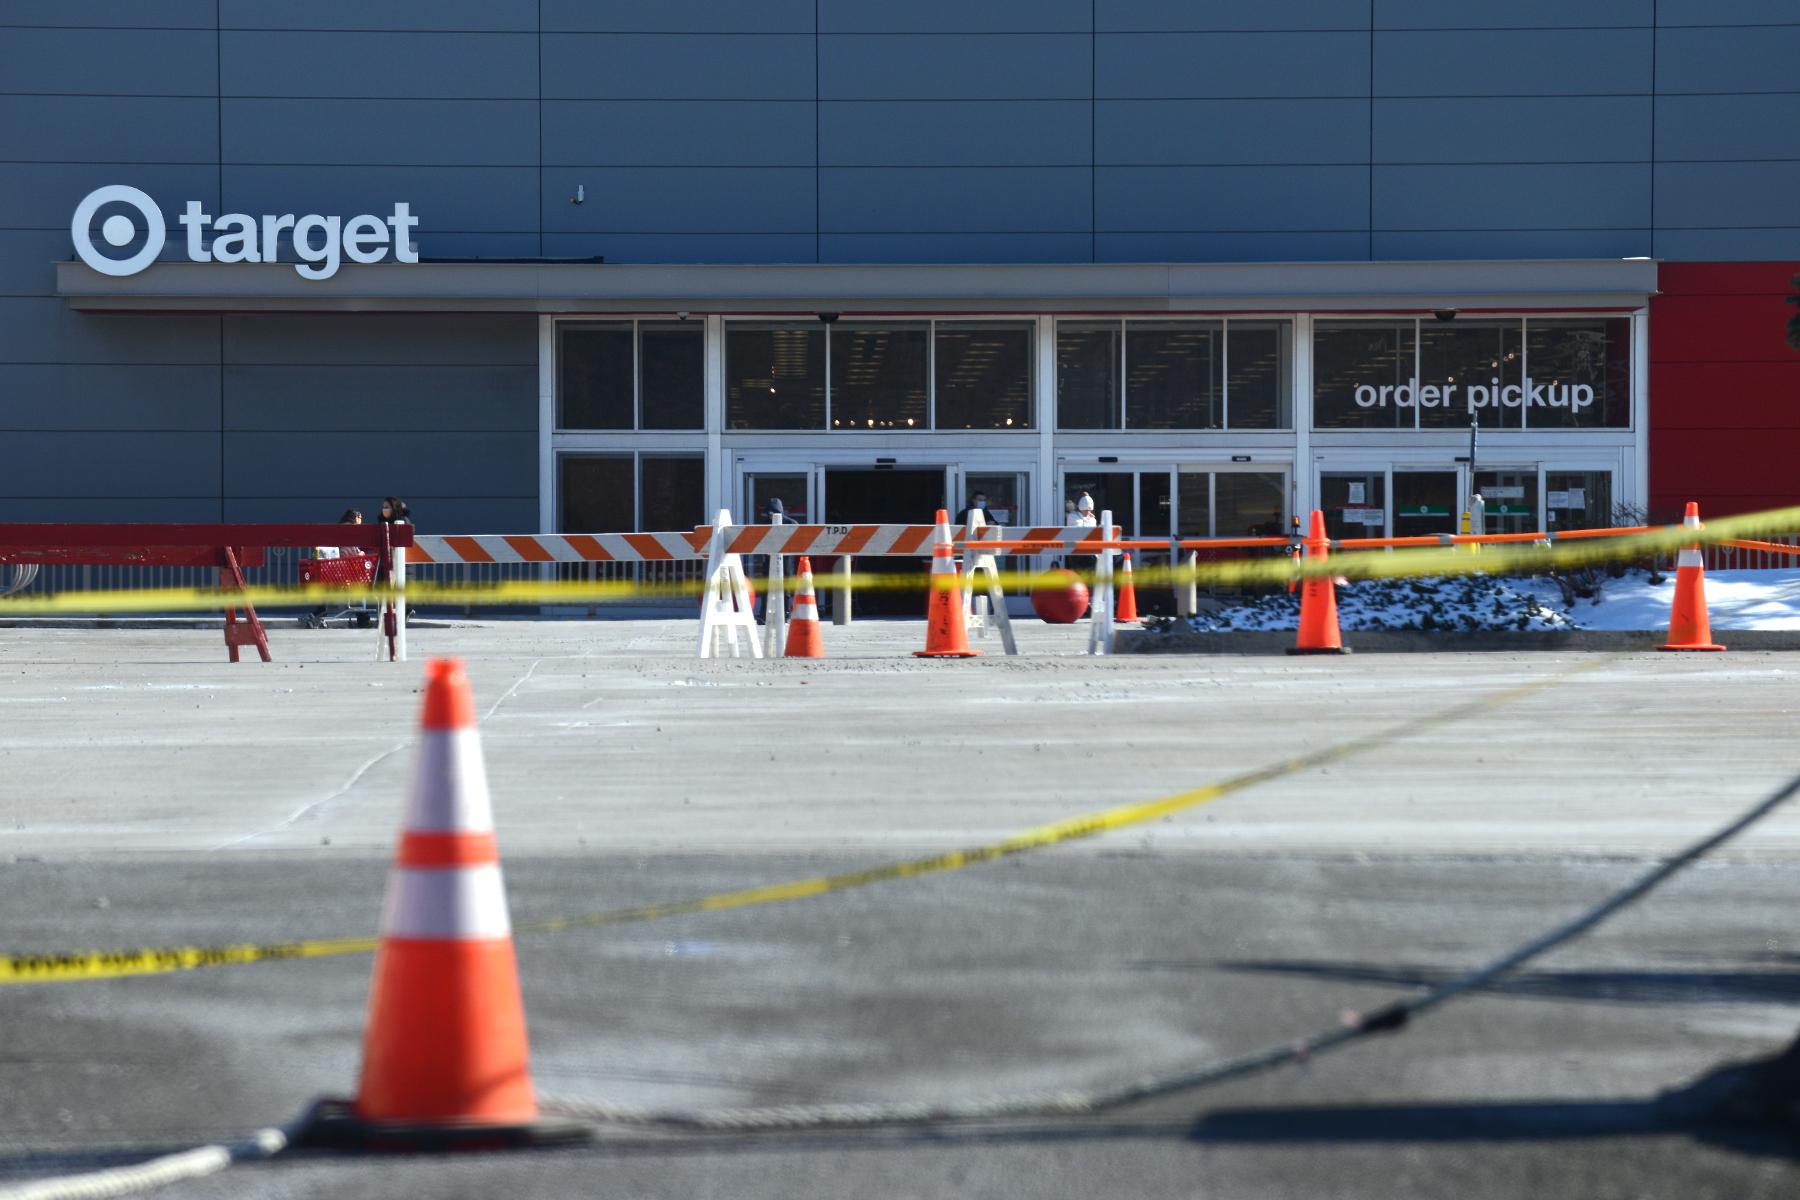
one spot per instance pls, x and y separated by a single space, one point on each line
1061 602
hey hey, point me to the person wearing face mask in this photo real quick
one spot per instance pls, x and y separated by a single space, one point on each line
977 503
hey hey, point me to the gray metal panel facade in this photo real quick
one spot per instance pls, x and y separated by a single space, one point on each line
796 131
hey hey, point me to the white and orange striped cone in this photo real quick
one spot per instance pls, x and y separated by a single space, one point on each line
1319 633
445 1056
1689 626
805 637
945 634
1127 594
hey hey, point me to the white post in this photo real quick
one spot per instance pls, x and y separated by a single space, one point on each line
1100 606
840 605
400 603
775 610
1176 588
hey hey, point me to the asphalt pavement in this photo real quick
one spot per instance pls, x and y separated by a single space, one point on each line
156 795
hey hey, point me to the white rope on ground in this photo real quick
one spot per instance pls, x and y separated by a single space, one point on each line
158 1172
1389 1018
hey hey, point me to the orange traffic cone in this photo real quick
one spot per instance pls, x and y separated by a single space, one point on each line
444 1053
1318 600
805 638
945 634
1689 626
1127 594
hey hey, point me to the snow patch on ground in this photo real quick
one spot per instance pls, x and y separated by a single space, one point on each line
1734 600
1478 603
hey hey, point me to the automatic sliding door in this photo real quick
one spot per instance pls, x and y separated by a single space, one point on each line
1425 502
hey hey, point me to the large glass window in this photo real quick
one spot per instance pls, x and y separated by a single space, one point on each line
1513 373
624 493
596 386
879 376
1258 388
630 375
671 491
1582 371
1465 369
983 375
1087 375
775 376
1358 367
672 375
596 493
1174 375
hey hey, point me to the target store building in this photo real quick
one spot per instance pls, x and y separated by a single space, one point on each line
602 265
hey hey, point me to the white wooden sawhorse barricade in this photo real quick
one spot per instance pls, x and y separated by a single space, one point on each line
726 606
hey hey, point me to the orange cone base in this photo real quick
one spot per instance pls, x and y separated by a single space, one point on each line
333 1124
805 640
1707 646
446 1035
1318 649
946 654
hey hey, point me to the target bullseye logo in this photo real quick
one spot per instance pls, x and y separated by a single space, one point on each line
118 230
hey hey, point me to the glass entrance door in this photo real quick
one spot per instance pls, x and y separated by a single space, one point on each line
792 488
1425 502
1510 499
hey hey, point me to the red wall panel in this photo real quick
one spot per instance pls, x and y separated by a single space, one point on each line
1724 389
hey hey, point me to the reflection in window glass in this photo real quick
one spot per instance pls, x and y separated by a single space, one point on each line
1371 355
1578 499
1259 392
1174 375
673 490
594 377
878 376
1249 504
1464 363
595 494
1584 370
673 375
1354 503
774 376
1087 375
984 376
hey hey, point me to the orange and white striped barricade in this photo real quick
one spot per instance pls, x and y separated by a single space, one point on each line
1100 599
987 611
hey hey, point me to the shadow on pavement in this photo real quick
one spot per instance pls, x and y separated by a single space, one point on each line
1632 987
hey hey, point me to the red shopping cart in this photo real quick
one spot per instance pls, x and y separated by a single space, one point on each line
345 571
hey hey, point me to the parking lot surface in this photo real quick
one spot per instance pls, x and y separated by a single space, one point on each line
158 795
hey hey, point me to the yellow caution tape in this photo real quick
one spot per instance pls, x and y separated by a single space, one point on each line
1495 559
159 960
